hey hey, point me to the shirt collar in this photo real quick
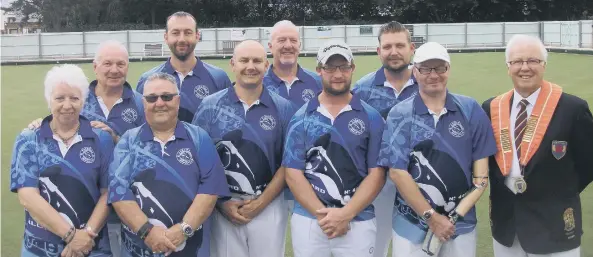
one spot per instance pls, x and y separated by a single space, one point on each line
127 93
194 72
85 130
301 74
420 107
147 135
264 98
355 103
380 78
532 99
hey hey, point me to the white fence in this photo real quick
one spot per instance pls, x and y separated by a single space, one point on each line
219 41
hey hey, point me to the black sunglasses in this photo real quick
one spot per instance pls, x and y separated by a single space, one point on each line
164 97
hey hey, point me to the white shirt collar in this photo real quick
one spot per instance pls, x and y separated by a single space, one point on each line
531 99
408 83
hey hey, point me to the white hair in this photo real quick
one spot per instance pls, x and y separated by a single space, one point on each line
68 74
280 24
525 39
109 44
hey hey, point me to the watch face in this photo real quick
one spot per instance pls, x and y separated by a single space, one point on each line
187 230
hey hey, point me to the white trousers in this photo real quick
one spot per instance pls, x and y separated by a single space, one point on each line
264 236
384 204
308 240
517 251
462 246
114 233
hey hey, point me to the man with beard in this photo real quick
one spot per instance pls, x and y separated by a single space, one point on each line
165 179
436 145
195 78
247 122
544 159
383 89
285 76
330 156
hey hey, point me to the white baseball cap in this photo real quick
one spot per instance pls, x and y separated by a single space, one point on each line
333 47
431 51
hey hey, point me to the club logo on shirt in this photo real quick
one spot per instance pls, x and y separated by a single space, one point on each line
356 126
129 115
201 91
87 154
267 122
456 129
307 95
184 156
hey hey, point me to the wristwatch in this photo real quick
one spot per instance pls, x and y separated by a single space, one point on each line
427 214
188 231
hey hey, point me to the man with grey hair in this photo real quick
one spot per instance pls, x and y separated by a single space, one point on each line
195 79
285 76
539 131
165 178
111 105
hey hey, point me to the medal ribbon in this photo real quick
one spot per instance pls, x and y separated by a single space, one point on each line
535 129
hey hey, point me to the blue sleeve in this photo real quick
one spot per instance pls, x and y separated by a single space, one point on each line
483 142
106 146
221 79
120 171
24 167
294 148
376 126
287 111
203 116
395 142
140 107
226 82
140 86
212 176
356 88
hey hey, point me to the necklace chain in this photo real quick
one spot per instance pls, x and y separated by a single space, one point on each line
65 140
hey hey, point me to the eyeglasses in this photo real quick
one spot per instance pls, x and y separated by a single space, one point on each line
438 70
164 97
530 62
332 69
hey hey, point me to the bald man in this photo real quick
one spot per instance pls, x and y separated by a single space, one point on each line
285 76
247 123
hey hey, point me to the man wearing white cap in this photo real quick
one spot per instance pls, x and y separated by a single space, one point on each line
331 155
436 146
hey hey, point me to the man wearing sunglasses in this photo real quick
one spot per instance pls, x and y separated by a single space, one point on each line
330 156
247 122
165 179
436 146
544 159
195 79
382 89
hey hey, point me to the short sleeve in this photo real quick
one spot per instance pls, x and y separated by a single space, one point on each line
203 116
294 148
120 171
106 145
395 142
24 167
376 126
483 142
212 177
140 85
